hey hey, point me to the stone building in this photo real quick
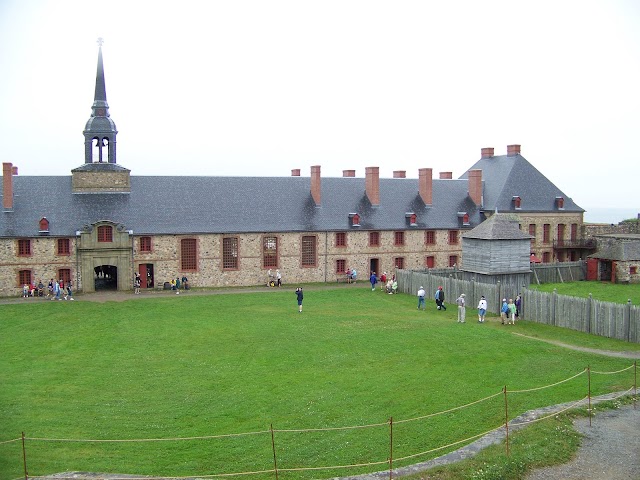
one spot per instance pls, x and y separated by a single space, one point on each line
617 258
106 224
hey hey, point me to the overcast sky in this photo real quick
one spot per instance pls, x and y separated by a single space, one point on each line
258 88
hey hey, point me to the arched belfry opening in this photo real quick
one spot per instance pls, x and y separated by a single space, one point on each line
100 149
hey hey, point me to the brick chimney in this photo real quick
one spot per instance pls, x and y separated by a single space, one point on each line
372 185
295 172
399 174
486 152
475 186
425 185
513 150
315 184
14 170
446 175
7 186
348 173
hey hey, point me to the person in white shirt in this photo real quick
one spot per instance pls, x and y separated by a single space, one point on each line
462 310
421 294
482 309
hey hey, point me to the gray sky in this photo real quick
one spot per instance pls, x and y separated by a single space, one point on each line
261 87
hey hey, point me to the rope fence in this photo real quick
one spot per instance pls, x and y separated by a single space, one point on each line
392 442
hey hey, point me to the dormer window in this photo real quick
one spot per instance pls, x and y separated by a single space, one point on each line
412 218
517 201
44 225
560 203
464 218
354 219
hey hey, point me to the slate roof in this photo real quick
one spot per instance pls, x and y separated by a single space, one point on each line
626 248
507 176
191 205
498 227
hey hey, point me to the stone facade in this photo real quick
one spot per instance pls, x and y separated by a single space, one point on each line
165 255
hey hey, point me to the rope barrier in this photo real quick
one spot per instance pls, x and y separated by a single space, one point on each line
10 441
327 429
449 445
131 440
300 469
448 411
548 386
528 422
613 373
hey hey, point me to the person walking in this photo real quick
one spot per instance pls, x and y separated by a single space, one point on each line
518 303
300 297
512 312
373 279
278 278
462 309
136 284
421 294
504 311
440 299
482 309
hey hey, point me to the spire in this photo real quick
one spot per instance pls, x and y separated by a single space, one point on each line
100 97
100 131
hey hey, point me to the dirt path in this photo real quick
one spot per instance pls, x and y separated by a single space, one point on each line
608 353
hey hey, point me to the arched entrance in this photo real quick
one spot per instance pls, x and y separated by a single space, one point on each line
105 277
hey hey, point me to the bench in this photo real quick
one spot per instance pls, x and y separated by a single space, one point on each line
343 279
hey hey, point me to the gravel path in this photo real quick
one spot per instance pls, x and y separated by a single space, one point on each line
610 449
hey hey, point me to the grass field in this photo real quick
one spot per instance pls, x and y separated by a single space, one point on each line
216 365
604 291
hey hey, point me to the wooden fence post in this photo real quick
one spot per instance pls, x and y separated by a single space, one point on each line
626 321
273 446
589 312
24 458
554 301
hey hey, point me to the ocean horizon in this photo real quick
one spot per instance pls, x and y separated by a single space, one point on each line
609 215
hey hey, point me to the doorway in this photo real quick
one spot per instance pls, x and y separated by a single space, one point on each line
105 277
146 275
374 266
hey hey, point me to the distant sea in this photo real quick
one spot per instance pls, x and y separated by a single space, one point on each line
609 215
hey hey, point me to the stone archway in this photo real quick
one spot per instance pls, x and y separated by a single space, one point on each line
105 261
106 278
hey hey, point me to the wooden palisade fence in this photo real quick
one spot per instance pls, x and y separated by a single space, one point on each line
613 320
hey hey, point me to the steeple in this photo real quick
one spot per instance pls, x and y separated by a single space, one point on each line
100 131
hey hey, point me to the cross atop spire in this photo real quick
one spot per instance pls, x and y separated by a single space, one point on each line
100 41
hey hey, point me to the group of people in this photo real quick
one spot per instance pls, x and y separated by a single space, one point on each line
352 275
178 283
55 290
274 280
508 313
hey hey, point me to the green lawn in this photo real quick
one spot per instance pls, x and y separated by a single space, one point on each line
193 366
604 291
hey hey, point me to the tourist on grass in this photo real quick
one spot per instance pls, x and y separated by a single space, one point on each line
504 311
462 309
482 309
512 312
300 297
440 299
421 294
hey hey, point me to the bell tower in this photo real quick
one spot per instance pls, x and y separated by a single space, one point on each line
100 131
99 173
